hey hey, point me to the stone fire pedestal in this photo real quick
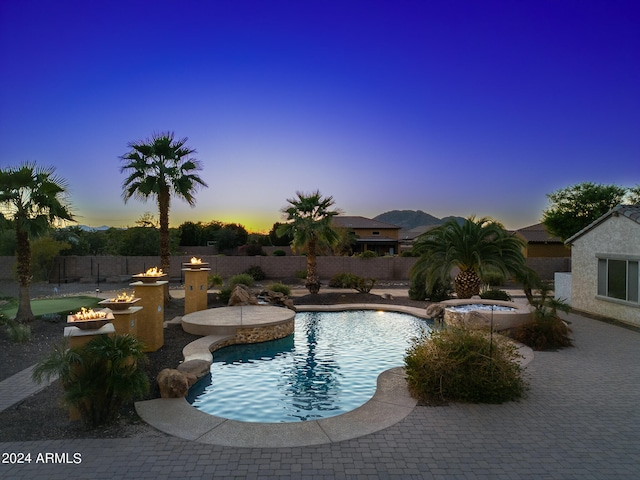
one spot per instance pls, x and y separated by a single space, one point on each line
150 318
195 289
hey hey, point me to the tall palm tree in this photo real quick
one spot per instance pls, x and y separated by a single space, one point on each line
309 223
159 168
471 246
33 199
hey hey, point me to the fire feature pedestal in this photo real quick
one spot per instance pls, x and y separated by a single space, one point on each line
126 321
78 337
195 289
150 319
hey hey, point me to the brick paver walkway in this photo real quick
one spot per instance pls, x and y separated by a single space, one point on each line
581 420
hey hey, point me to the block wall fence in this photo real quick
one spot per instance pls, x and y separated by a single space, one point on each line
68 269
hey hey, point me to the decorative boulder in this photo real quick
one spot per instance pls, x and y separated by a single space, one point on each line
435 311
277 299
194 370
241 296
173 383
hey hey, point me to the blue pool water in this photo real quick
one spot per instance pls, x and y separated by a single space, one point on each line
329 366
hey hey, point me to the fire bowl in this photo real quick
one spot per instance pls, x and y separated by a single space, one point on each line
90 324
114 304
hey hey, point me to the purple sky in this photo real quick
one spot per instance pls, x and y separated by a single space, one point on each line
451 107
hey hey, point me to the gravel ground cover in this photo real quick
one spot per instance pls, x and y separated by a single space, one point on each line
41 416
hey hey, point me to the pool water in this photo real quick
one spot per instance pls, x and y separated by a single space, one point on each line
329 366
480 306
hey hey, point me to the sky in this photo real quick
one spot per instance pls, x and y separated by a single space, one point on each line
450 107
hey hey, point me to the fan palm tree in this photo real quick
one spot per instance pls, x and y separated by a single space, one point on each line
159 168
33 199
309 218
472 246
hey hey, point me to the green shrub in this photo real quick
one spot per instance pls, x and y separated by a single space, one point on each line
368 254
463 365
492 277
280 288
343 280
243 278
417 288
409 253
495 294
418 291
364 285
279 253
256 272
224 295
547 331
99 377
253 249
16 331
301 274
214 280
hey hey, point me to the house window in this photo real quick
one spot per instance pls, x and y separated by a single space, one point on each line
618 279
375 233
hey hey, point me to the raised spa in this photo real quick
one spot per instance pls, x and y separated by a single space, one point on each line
478 312
329 366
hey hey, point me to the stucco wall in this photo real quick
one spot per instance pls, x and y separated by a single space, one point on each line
617 236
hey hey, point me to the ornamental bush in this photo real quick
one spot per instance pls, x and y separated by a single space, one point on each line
463 365
343 280
280 288
256 272
99 377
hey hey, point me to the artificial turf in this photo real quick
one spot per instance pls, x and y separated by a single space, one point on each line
61 305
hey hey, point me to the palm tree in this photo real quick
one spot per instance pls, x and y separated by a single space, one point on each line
159 168
33 199
472 246
309 223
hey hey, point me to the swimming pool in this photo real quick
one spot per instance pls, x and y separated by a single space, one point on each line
329 366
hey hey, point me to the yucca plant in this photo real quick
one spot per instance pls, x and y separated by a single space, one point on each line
99 377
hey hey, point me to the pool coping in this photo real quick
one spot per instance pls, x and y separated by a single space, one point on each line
175 416
390 404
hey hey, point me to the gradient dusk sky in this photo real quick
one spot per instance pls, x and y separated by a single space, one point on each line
451 107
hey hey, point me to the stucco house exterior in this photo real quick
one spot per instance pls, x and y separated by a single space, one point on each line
605 260
373 235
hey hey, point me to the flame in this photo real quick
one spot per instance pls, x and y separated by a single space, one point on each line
123 297
195 260
153 272
89 314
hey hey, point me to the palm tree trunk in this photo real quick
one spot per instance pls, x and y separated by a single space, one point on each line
165 254
24 314
467 284
313 281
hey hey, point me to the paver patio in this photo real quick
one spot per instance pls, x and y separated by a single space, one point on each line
580 421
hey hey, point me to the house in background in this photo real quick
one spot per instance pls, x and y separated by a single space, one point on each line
605 273
373 235
545 253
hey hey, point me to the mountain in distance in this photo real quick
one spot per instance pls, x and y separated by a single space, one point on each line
409 219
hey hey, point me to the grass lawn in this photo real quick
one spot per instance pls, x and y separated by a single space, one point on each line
62 305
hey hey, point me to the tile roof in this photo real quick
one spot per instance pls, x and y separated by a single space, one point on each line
346 221
632 212
537 234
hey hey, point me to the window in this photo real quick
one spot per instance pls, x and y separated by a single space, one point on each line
375 233
618 278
